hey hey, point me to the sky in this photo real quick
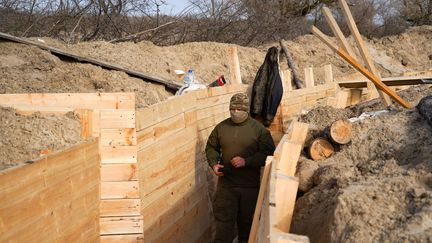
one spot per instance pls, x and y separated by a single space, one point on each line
174 6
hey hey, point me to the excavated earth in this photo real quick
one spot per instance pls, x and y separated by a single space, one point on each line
377 188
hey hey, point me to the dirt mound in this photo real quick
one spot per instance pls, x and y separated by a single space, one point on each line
25 138
377 188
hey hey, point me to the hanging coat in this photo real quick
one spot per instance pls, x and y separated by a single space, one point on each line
267 88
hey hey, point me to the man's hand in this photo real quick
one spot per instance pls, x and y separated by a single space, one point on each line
238 162
216 169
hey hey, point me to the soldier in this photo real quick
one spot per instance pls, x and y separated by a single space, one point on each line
236 150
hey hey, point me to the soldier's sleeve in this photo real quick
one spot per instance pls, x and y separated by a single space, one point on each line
213 149
266 148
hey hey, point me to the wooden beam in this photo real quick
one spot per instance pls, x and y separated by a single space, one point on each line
169 84
376 80
363 50
235 66
337 32
390 81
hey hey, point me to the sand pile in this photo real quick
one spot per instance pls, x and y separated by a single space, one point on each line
25 138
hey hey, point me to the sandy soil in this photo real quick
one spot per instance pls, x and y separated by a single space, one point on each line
378 188
25 138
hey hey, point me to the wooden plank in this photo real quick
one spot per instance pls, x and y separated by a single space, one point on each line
30 109
260 200
72 100
86 119
188 229
121 225
110 119
124 238
289 157
390 81
119 189
120 207
160 219
286 80
363 51
337 32
119 172
118 137
328 74
234 66
172 85
356 95
118 154
286 193
166 128
309 77
361 69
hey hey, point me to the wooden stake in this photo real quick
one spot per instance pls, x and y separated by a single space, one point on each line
360 68
286 80
341 131
363 51
320 149
235 66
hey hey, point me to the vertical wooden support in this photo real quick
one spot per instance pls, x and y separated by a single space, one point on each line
309 77
328 74
234 66
363 51
286 80
86 118
286 192
342 98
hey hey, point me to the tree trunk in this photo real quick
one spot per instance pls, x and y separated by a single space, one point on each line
340 131
320 149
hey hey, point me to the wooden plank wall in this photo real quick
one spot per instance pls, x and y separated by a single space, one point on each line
111 117
172 170
53 199
281 191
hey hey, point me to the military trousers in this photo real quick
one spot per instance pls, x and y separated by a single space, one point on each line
234 206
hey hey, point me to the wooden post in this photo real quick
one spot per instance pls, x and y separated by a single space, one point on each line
309 77
363 51
377 81
286 193
235 66
328 74
86 118
286 80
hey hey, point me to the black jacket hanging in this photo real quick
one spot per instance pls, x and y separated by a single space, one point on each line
267 88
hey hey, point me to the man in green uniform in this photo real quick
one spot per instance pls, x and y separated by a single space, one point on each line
236 150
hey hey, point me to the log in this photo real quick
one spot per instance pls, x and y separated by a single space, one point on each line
320 149
341 131
295 73
425 108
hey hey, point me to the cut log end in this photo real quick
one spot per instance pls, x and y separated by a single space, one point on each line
340 131
320 149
